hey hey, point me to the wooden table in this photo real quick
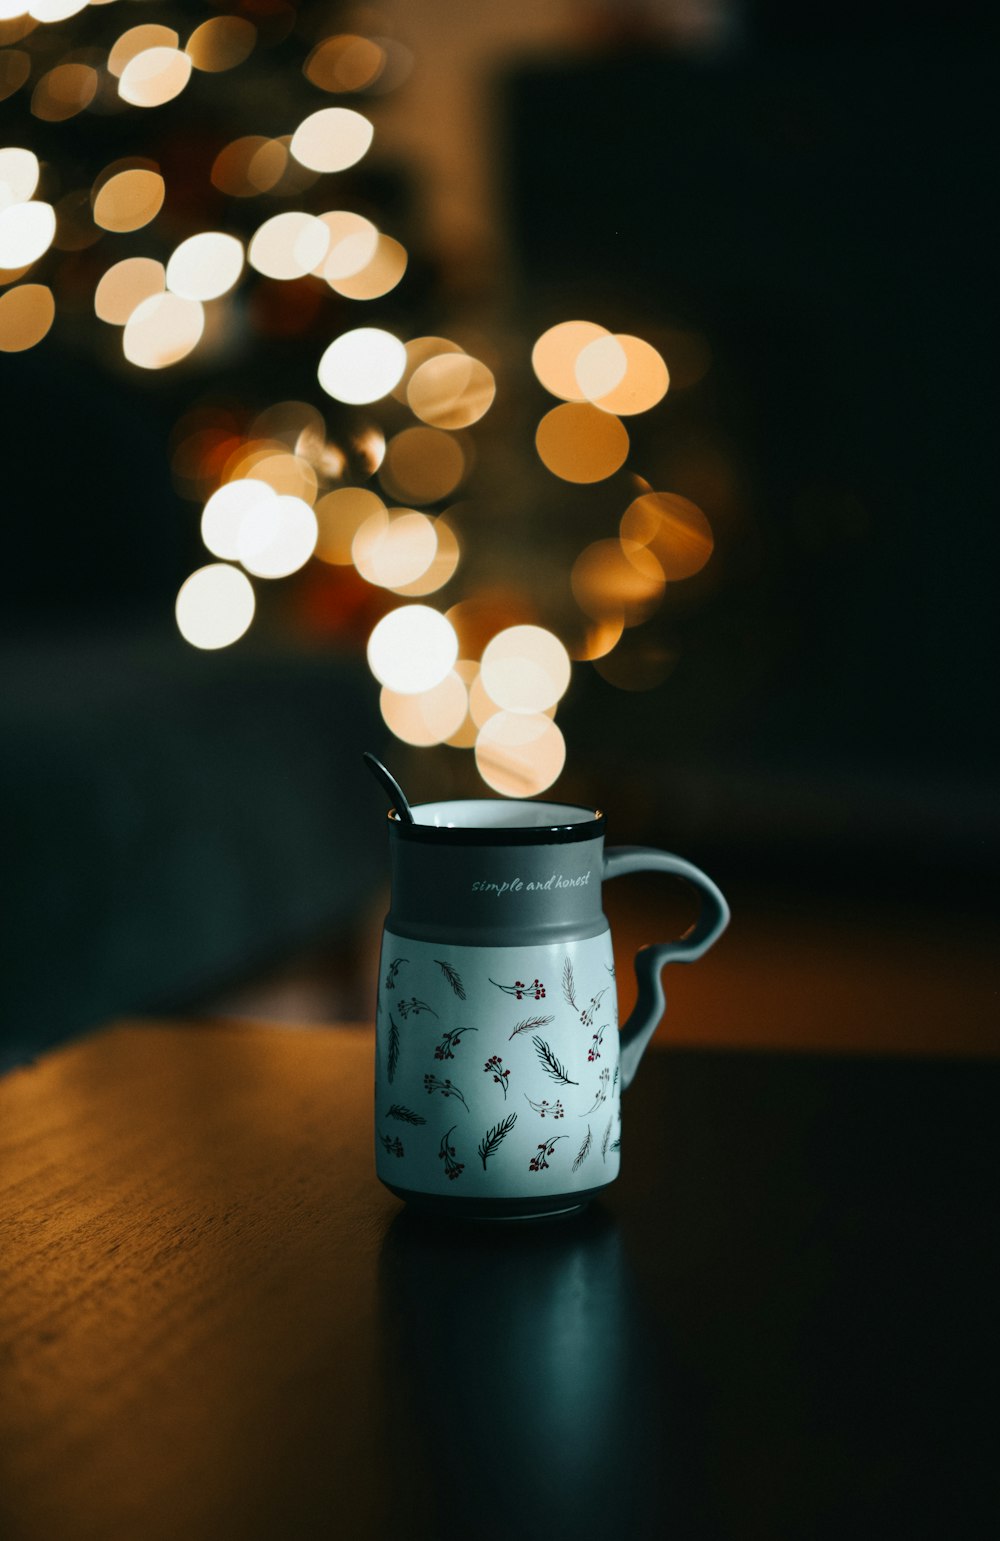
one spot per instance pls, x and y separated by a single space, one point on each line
214 1322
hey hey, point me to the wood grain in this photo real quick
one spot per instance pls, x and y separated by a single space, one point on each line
214 1323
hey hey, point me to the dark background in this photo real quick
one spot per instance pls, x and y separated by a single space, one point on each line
813 198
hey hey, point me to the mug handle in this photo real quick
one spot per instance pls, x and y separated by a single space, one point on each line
713 918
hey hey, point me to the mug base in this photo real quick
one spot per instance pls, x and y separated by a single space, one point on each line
560 1206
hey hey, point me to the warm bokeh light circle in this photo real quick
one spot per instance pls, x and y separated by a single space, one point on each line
26 231
519 755
331 139
525 669
215 606
554 356
643 381
431 717
288 245
129 200
162 330
451 390
154 77
579 443
394 547
223 514
125 285
422 465
362 365
276 536
412 649
673 528
26 314
340 515
205 266
617 580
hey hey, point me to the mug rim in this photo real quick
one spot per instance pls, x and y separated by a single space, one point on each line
556 830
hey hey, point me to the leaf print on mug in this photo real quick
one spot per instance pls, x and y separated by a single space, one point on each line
545 1150
432 1084
529 1024
413 1005
446 1153
602 1092
453 977
393 1145
494 1137
394 968
500 1075
550 1064
583 1152
451 1041
545 1108
594 1052
393 1059
405 1115
519 989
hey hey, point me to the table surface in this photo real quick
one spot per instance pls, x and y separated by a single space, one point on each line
215 1323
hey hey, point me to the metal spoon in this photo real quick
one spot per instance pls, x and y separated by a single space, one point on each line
391 786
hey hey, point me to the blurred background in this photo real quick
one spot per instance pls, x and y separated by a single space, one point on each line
583 400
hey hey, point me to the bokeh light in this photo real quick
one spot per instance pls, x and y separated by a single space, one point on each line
422 465
394 546
136 41
15 67
125 286
412 649
154 77
600 366
580 443
554 356
451 390
162 330
340 515
288 474
128 200
236 170
525 669
378 276
64 91
345 63
642 382
289 245
221 43
418 351
441 569
26 314
223 514
429 718
519 755
617 580
674 529
215 606
353 244
19 171
205 266
276 536
362 365
331 139
26 231
51 11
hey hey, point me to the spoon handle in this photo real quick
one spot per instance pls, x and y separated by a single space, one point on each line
390 786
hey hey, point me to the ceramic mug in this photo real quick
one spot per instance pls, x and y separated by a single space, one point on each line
499 1065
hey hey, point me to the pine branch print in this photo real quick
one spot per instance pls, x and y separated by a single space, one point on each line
583 1152
569 985
453 977
405 1115
604 1142
393 1060
493 1138
550 1064
616 1143
529 1024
